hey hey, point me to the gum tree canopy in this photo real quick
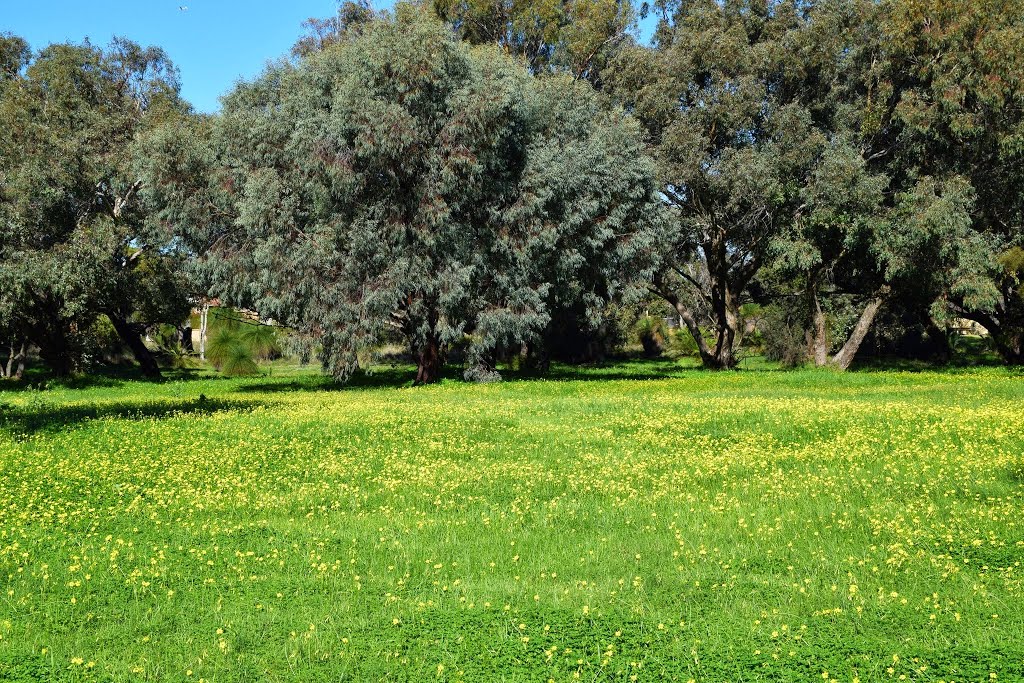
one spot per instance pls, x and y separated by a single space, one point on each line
74 240
720 97
398 179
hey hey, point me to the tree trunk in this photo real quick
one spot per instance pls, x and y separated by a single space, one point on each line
55 352
691 324
185 338
844 358
131 335
1005 328
19 371
15 367
203 327
722 357
728 334
428 369
819 335
725 283
1009 345
939 348
534 357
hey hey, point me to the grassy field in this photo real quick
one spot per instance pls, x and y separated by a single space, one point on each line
638 522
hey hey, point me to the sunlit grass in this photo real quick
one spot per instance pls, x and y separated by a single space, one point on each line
640 520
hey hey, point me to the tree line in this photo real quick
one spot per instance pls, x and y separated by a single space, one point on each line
504 177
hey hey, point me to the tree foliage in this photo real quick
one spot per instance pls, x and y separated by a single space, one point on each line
576 37
841 144
399 179
74 239
947 106
493 175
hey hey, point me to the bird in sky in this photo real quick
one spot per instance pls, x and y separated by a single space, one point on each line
183 8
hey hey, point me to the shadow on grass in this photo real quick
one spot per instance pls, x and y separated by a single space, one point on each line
403 376
103 378
393 377
35 417
956 363
621 369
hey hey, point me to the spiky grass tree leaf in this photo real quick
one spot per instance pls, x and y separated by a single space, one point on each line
261 340
222 346
239 362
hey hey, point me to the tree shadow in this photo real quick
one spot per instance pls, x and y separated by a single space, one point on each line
40 417
107 377
956 363
396 377
379 378
613 369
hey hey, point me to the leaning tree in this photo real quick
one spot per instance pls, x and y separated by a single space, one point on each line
946 82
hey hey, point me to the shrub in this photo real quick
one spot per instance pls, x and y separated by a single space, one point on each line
651 332
481 374
784 339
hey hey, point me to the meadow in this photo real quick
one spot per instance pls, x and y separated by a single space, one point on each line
643 521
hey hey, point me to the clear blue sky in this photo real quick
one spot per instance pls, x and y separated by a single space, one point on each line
213 42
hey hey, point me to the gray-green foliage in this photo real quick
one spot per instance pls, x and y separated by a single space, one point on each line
398 179
75 241
858 149
720 96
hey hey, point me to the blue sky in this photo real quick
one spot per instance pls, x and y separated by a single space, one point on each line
213 42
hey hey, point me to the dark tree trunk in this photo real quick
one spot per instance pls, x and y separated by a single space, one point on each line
534 357
131 334
1010 346
185 338
939 348
1005 326
844 357
728 319
55 352
1007 329
429 362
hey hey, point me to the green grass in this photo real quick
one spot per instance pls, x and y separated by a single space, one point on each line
642 519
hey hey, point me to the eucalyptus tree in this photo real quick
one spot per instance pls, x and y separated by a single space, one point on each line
854 241
398 179
575 37
592 212
721 100
74 240
945 94
834 141
918 196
